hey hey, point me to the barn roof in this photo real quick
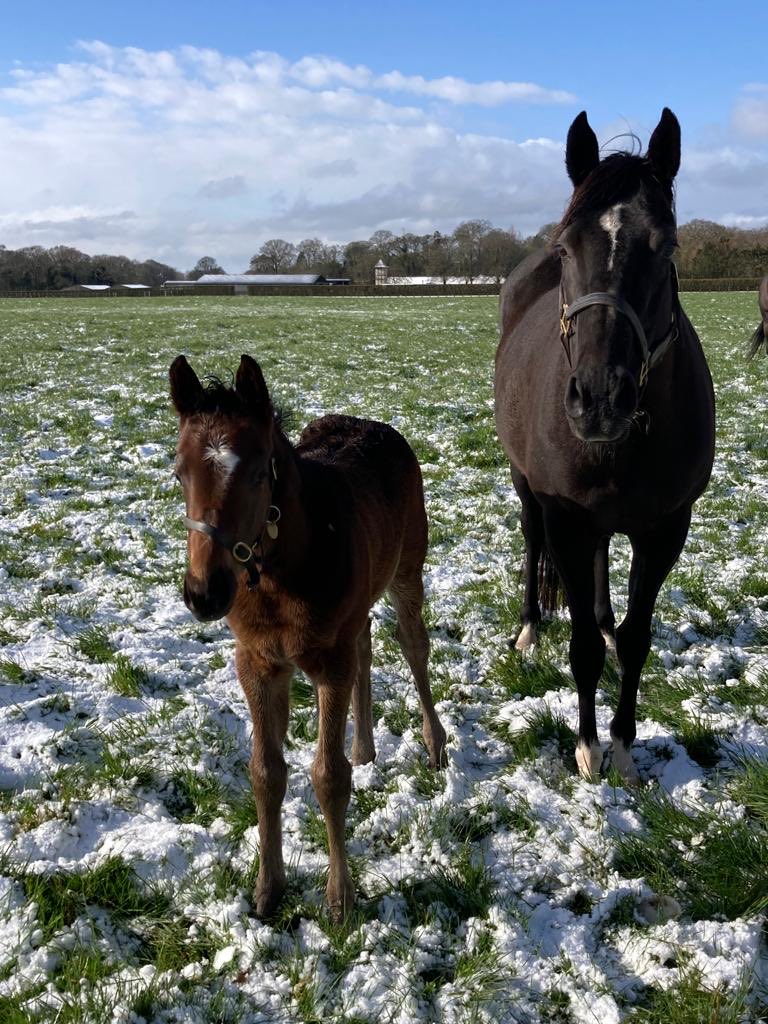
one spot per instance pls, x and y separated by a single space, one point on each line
265 279
478 279
87 287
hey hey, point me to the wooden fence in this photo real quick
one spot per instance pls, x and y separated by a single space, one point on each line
702 284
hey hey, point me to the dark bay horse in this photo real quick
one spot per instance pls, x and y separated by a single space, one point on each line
294 545
605 407
760 337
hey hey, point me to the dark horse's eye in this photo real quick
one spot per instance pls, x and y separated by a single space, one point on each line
561 251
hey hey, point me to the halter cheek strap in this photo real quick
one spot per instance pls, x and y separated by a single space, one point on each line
250 556
650 356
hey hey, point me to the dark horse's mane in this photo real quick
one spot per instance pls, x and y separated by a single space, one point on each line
218 397
616 179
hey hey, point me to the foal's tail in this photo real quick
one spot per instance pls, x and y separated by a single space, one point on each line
758 340
551 592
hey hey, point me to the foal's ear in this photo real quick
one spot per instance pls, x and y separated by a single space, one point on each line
664 147
582 153
252 388
186 389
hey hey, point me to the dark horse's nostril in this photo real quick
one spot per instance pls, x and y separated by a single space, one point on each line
576 398
210 598
624 393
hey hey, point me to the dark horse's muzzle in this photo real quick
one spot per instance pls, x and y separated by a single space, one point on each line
600 403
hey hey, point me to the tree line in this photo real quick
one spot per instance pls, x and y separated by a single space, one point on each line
474 249
34 268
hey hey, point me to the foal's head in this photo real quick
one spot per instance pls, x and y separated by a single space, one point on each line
617 237
224 462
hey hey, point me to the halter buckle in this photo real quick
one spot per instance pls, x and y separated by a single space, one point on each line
239 548
566 324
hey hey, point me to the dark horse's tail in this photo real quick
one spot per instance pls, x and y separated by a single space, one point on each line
758 340
551 593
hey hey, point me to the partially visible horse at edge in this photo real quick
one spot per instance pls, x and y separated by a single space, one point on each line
294 545
605 408
760 338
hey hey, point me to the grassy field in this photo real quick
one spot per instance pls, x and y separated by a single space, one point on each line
503 889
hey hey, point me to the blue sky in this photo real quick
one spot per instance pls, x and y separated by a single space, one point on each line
184 129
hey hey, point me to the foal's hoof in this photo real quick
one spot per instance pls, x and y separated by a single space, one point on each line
435 741
526 640
267 898
340 899
589 758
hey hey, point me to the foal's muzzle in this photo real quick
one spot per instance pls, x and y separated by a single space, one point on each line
212 597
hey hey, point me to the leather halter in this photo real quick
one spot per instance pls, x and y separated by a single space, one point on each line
650 355
250 556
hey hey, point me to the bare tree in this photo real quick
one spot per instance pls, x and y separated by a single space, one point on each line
468 237
500 251
276 256
205 265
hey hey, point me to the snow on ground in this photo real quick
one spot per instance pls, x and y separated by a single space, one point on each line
503 888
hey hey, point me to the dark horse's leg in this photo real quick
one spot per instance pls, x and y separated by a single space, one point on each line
532 524
603 609
653 555
573 546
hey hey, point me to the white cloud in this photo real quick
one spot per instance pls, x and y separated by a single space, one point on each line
750 115
485 94
224 188
176 154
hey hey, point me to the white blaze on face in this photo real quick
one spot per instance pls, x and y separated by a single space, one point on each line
611 222
222 456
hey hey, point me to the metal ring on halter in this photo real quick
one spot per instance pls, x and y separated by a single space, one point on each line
243 547
271 516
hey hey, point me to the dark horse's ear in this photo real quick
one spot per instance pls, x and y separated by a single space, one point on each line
664 148
582 153
252 388
186 389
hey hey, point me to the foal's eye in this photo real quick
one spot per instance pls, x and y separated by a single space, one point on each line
561 251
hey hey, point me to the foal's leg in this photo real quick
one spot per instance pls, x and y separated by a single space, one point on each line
363 749
332 772
532 524
603 610
407 594
653 555
267 689
573 546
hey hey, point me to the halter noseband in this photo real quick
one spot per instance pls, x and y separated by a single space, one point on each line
250 556
650 356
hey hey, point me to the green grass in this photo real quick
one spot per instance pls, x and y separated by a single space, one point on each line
112 886
714 867
94 643
126 678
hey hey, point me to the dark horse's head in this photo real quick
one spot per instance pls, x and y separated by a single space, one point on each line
225 463
616 241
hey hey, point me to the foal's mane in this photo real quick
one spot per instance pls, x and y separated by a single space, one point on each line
219 398
616 179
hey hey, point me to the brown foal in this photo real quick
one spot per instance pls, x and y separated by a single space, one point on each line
294 545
